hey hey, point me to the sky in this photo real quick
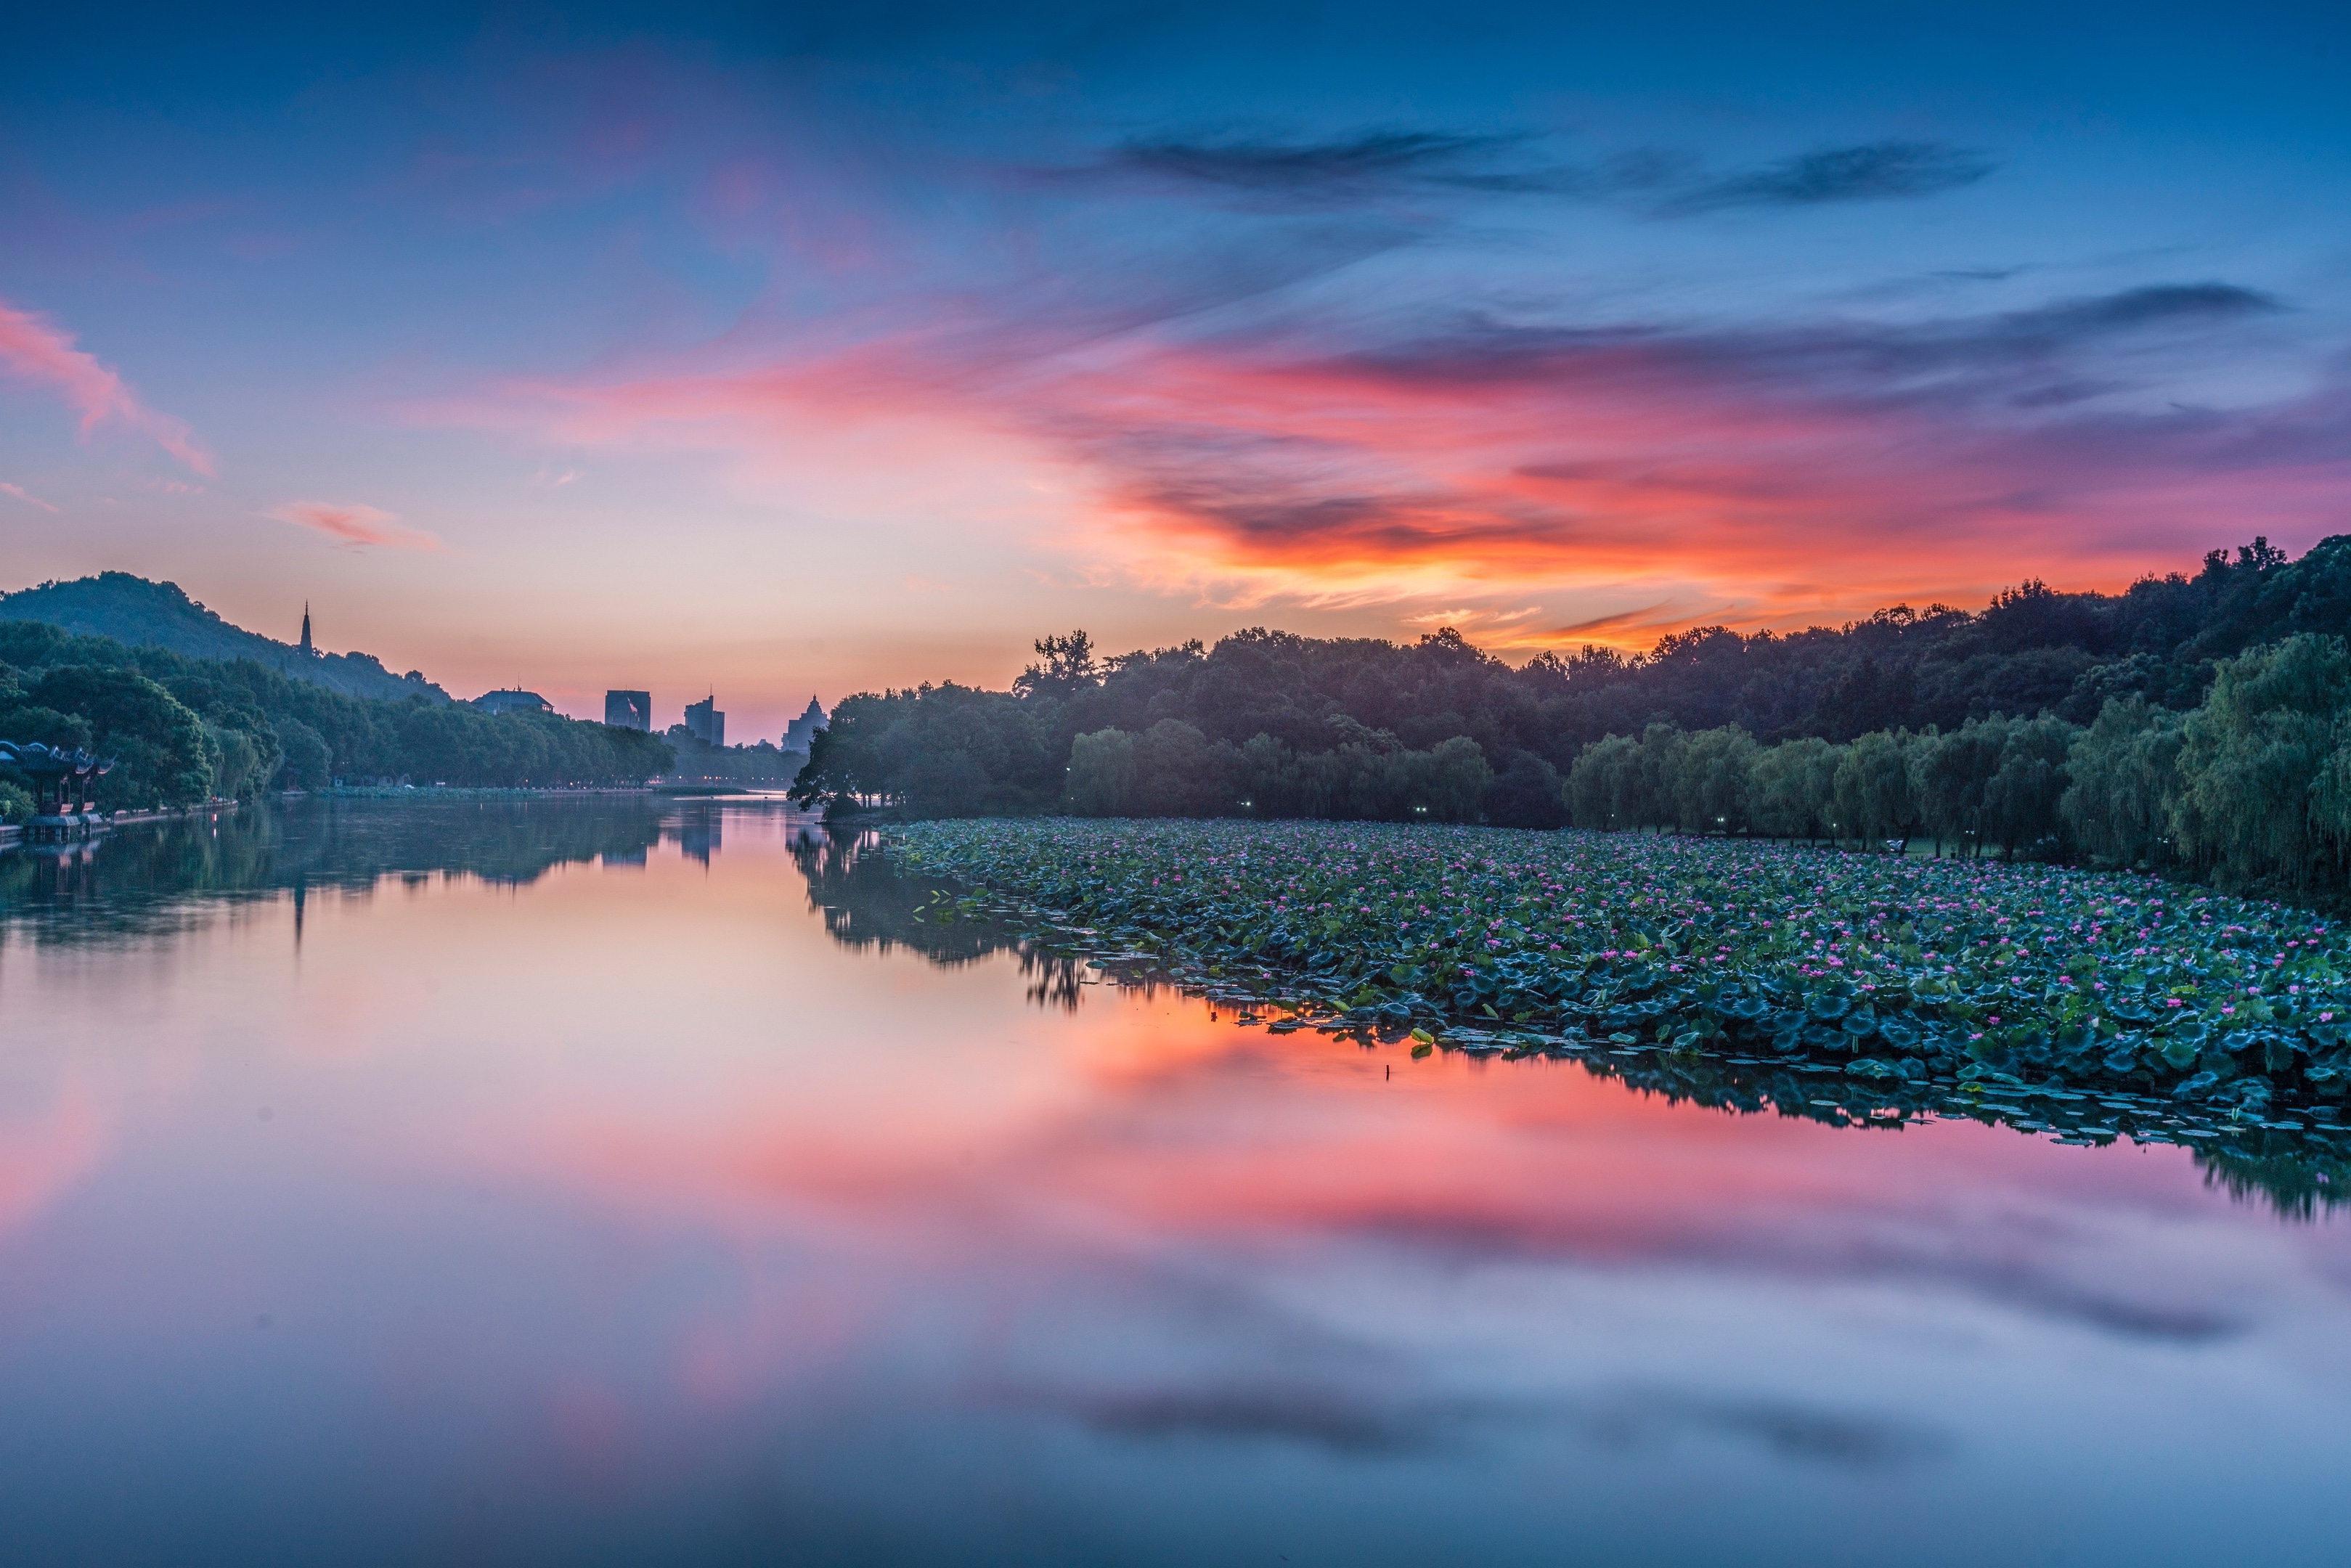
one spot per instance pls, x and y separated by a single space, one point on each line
782 351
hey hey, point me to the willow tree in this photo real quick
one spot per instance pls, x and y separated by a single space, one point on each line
1872 789
2021 801
1712 780
1952 775
2259 761
1102 774
1791 789
2124 777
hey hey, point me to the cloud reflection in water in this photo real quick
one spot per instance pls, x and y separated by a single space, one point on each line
730 1204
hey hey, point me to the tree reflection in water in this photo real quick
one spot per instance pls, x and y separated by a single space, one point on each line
153 877
2301 1170
866 902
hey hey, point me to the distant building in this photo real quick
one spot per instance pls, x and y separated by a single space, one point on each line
515 700
801 733
629 710
306 650
704 721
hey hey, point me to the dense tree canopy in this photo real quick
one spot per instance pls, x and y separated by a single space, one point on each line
2049 723
182 730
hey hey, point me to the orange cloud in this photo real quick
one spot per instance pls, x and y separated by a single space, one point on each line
1769 475
353 525
34 349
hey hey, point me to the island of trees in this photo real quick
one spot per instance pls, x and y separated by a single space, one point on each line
2192 724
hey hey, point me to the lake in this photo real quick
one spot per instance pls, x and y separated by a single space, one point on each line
623 1181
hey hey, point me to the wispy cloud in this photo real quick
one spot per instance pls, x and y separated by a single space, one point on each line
2006 356
354 525
1872 172
23 494
1466 617
1368 164
35 349
1379 165
1649 617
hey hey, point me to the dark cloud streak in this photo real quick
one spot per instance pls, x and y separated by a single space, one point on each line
1357 166
1872 172
1387 164
1343 1420
1957 358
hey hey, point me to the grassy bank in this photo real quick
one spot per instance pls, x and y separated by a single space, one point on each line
1967 978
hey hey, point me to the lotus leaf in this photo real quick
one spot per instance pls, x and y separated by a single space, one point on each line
1746 944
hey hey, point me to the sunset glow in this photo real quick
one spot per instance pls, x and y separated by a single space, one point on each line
822 356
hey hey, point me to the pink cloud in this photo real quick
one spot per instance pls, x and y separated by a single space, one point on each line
354 525
34 349
23 494
1763 474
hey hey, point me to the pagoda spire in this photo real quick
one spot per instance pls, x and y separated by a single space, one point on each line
306 650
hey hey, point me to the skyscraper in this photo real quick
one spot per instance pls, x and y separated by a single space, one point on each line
706 724
629 710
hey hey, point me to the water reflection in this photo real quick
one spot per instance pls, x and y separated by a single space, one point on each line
866 902
685 1211
701 830
2300 1169
145 877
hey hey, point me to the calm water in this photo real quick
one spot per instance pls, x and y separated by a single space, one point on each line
581 1182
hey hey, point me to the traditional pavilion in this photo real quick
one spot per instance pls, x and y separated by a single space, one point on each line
64 785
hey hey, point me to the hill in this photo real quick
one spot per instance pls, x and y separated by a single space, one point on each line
143 615
180 729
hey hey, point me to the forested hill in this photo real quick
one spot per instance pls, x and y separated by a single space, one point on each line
143 615
180 729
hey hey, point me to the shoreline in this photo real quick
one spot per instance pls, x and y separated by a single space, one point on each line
455 792
12 834
519 792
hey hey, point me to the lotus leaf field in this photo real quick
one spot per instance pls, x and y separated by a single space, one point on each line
1911 978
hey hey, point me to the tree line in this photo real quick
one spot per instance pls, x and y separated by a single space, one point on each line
1974 729
1994 783
182 730
760 764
